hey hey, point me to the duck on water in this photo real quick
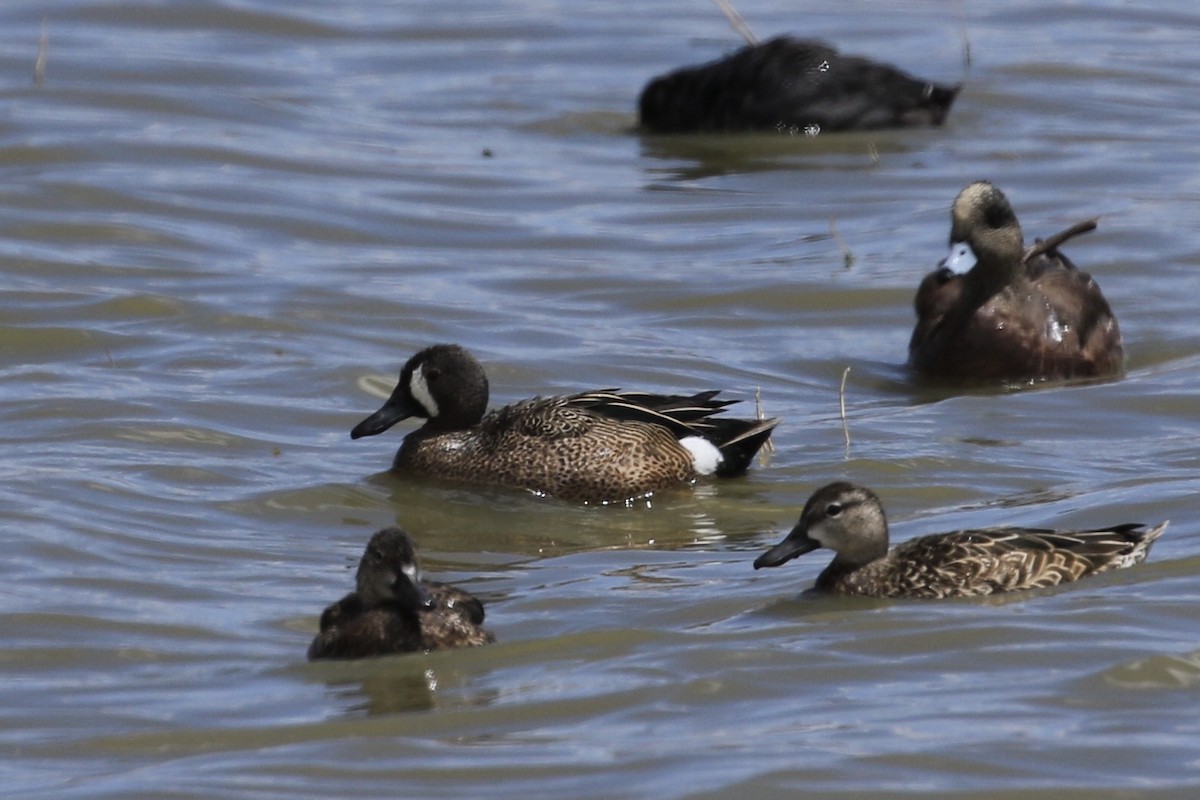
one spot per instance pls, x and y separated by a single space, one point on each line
394 610
595 447
793 86
849 520
997 310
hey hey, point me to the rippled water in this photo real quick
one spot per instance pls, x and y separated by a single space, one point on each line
226 224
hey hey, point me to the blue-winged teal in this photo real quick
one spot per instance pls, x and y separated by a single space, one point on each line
394 611
1016 314
849 520
602 446
793 86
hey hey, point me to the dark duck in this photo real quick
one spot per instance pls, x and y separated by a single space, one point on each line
996 310
394 610
792 86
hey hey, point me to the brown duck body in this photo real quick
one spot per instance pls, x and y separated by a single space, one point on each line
850 520
990 561
351 629
394 611
1018 314
793 86
602 446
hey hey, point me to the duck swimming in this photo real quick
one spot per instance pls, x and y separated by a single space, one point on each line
394 611
849 520
792 86
998 311
600 446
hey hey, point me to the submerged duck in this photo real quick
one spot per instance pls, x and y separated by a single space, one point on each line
849 520
794 86
600 446
998 311
394 611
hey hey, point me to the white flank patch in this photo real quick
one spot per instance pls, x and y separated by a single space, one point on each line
420 392
705 455
961 258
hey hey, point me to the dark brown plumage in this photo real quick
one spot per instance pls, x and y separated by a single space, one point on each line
394 611
792 86
1017 315
849 519
601 446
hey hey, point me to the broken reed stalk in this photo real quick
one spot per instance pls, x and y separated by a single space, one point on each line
39 65
735 19
1048 245
842 407
769 446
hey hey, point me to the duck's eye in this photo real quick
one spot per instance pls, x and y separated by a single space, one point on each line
833 509
432 374
374 555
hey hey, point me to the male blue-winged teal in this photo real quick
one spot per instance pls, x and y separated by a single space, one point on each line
1016 314
394 611
793 86
849 520
601 446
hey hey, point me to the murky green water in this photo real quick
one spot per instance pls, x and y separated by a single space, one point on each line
225 226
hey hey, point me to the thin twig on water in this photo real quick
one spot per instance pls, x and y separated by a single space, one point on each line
842 407
769 446
39 66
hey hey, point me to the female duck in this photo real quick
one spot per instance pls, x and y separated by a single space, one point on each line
790 85
849 520
601 446
394 611
1016 314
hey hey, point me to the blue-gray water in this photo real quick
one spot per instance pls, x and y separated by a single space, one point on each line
226 224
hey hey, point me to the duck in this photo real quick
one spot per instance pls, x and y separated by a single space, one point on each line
393 610
849 520
603 446
998 311
790 85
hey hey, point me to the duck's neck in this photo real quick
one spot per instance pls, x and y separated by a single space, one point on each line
989 277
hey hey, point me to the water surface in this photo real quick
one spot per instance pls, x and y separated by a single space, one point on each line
226 225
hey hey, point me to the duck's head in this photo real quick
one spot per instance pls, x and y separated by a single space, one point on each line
389 572
984 230
443 383
845 518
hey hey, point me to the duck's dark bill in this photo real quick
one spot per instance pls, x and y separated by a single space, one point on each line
392 412
794 545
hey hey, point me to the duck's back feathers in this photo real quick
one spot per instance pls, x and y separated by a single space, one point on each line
790 85
350 630
994 560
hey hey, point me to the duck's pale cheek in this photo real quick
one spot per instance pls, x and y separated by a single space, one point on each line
960 259
420 392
